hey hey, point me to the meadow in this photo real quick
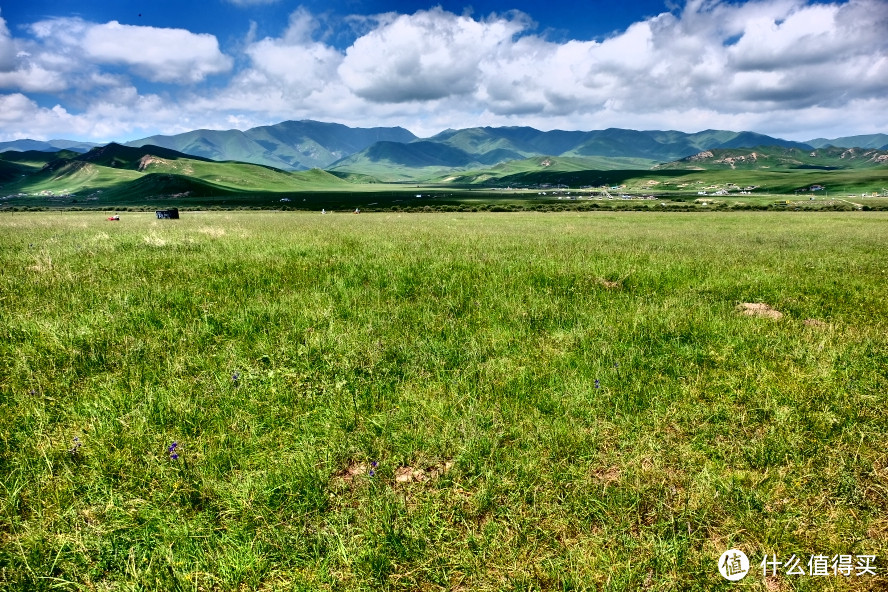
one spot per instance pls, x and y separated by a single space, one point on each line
451 401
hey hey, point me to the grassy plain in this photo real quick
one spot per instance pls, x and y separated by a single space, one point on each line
518 401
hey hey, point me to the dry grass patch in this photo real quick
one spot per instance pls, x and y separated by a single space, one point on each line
408 474
351 472
759 309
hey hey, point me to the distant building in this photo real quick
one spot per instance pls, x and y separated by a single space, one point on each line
171 214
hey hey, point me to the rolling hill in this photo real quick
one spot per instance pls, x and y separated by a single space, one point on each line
115 171
47 146
301 145
547 166
774 157
878 141
473 148
290 145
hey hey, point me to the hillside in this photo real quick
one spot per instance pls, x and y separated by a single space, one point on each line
878 141
47 146
546 166
422 159
400 155
487 146
772 157
115 172
290 145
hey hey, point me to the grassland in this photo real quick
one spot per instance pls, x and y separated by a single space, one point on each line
116 176
439 402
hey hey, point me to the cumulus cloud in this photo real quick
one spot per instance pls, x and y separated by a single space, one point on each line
294 60
727 58
425 56
765 65
712 64
164 55
7 48
156 54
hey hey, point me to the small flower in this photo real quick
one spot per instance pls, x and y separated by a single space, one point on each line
171 449
174 456
77 444
597 383
616 364
235 378
373 466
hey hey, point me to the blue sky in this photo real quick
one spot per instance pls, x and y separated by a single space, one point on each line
100 71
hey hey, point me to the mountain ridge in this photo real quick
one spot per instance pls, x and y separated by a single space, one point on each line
306 144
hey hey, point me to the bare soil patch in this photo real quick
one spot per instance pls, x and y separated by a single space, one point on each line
759 309
408 474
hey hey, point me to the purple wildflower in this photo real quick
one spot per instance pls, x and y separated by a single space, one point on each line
77 444
597 383
171 449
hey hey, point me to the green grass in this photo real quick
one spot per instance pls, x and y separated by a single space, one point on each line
464 346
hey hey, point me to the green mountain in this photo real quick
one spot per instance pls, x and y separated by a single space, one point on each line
115 171
290 145
547 166
47 146
879 141
392 161
473 148
774 157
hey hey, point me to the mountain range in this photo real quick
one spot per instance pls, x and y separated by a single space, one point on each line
116 172
395 151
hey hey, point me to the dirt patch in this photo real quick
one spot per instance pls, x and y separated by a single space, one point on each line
759 309
774 584
609 284
606 476
816 324
408 474
352 471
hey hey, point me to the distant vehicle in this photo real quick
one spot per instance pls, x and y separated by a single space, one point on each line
114 218
171 214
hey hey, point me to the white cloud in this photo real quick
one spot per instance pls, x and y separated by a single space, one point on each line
294 62
33 78
772 66
21 117
162 55
156 54
425 56
713 57
7 48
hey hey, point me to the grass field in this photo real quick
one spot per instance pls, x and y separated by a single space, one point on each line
528 401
